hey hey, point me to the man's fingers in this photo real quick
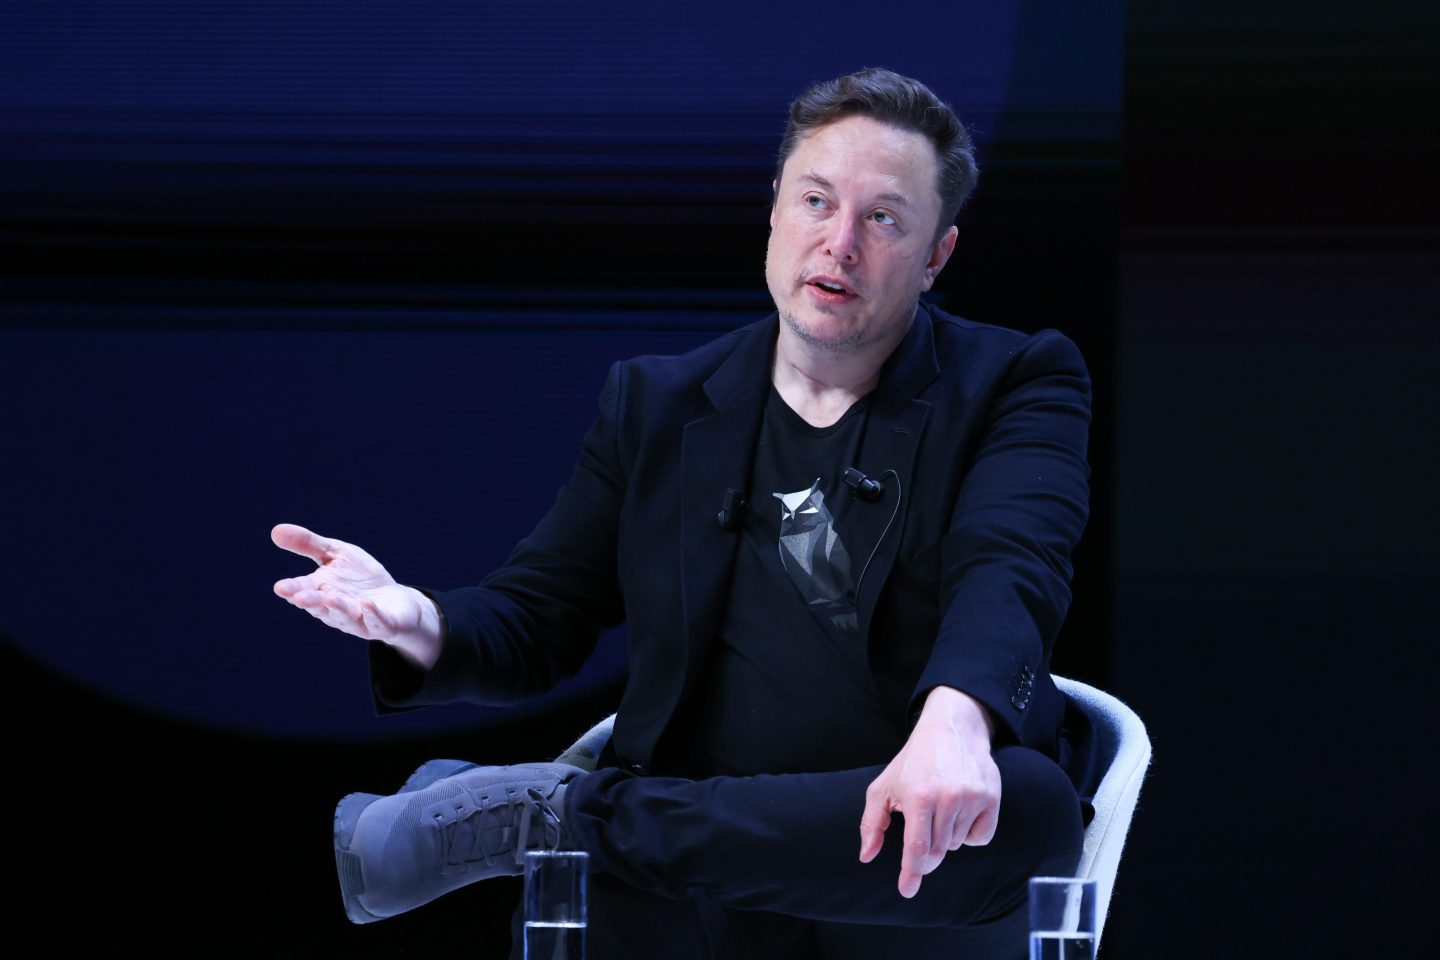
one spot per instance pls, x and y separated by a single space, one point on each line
290 587
960 828
873 824
301 594
947 828
982 831
915 858
296 539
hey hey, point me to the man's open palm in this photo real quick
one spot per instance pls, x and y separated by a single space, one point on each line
349 590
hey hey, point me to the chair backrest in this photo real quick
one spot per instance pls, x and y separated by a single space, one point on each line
1125 747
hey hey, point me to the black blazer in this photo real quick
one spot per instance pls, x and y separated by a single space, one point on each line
985 429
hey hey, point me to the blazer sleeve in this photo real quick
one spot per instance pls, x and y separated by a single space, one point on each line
1006 556
536 619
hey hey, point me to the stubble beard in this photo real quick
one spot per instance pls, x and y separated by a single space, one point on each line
840 346
847 344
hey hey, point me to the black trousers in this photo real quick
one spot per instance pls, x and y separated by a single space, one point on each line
742 868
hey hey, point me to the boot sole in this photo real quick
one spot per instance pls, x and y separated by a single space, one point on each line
347 817
347 864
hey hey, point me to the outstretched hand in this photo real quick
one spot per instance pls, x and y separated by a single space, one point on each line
945 783
352 592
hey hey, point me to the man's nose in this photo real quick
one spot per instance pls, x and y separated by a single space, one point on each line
843 244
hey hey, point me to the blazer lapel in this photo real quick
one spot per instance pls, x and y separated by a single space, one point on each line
717 453
892 442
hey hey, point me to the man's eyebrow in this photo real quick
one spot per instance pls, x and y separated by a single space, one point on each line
820 181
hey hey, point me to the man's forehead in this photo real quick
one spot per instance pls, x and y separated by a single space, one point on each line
896 151
861 127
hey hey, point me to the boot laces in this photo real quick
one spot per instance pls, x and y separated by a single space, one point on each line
499 826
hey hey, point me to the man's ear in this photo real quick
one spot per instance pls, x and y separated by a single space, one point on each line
774 197
940 255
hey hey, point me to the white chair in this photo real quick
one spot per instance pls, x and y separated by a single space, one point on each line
1124 749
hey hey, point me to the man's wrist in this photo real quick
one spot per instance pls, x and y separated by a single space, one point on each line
968 717
421 645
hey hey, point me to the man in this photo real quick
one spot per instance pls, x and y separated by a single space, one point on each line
863 629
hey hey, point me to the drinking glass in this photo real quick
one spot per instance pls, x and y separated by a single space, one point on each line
555 904
1062 918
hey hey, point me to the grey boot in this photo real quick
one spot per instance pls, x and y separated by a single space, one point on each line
395 853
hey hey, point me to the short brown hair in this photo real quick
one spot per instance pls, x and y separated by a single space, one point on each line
899 102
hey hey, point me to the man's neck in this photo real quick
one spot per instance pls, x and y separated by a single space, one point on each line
820 385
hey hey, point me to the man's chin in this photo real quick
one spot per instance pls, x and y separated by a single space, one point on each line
826 337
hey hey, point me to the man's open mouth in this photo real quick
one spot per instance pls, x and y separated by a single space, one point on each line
831 286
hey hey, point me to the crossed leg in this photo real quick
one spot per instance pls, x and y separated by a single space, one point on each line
755 867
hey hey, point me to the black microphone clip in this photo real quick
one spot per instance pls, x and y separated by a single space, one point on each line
733 508
862 486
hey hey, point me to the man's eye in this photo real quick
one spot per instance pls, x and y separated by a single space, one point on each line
814 200
882 217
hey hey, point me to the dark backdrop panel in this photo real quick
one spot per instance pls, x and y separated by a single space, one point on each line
167 456
1276 518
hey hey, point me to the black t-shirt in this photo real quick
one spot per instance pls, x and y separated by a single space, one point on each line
788 687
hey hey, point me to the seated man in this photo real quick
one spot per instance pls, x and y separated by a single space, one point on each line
863 629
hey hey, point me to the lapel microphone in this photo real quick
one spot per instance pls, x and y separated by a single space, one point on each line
732 508
862 486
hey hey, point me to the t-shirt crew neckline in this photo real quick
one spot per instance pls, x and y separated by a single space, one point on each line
796 422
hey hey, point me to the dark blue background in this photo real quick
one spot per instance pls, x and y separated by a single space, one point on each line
276 253
363 266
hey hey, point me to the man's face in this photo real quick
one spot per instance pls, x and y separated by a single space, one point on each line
851 234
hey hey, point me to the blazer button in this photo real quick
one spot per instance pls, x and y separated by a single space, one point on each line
1018 702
